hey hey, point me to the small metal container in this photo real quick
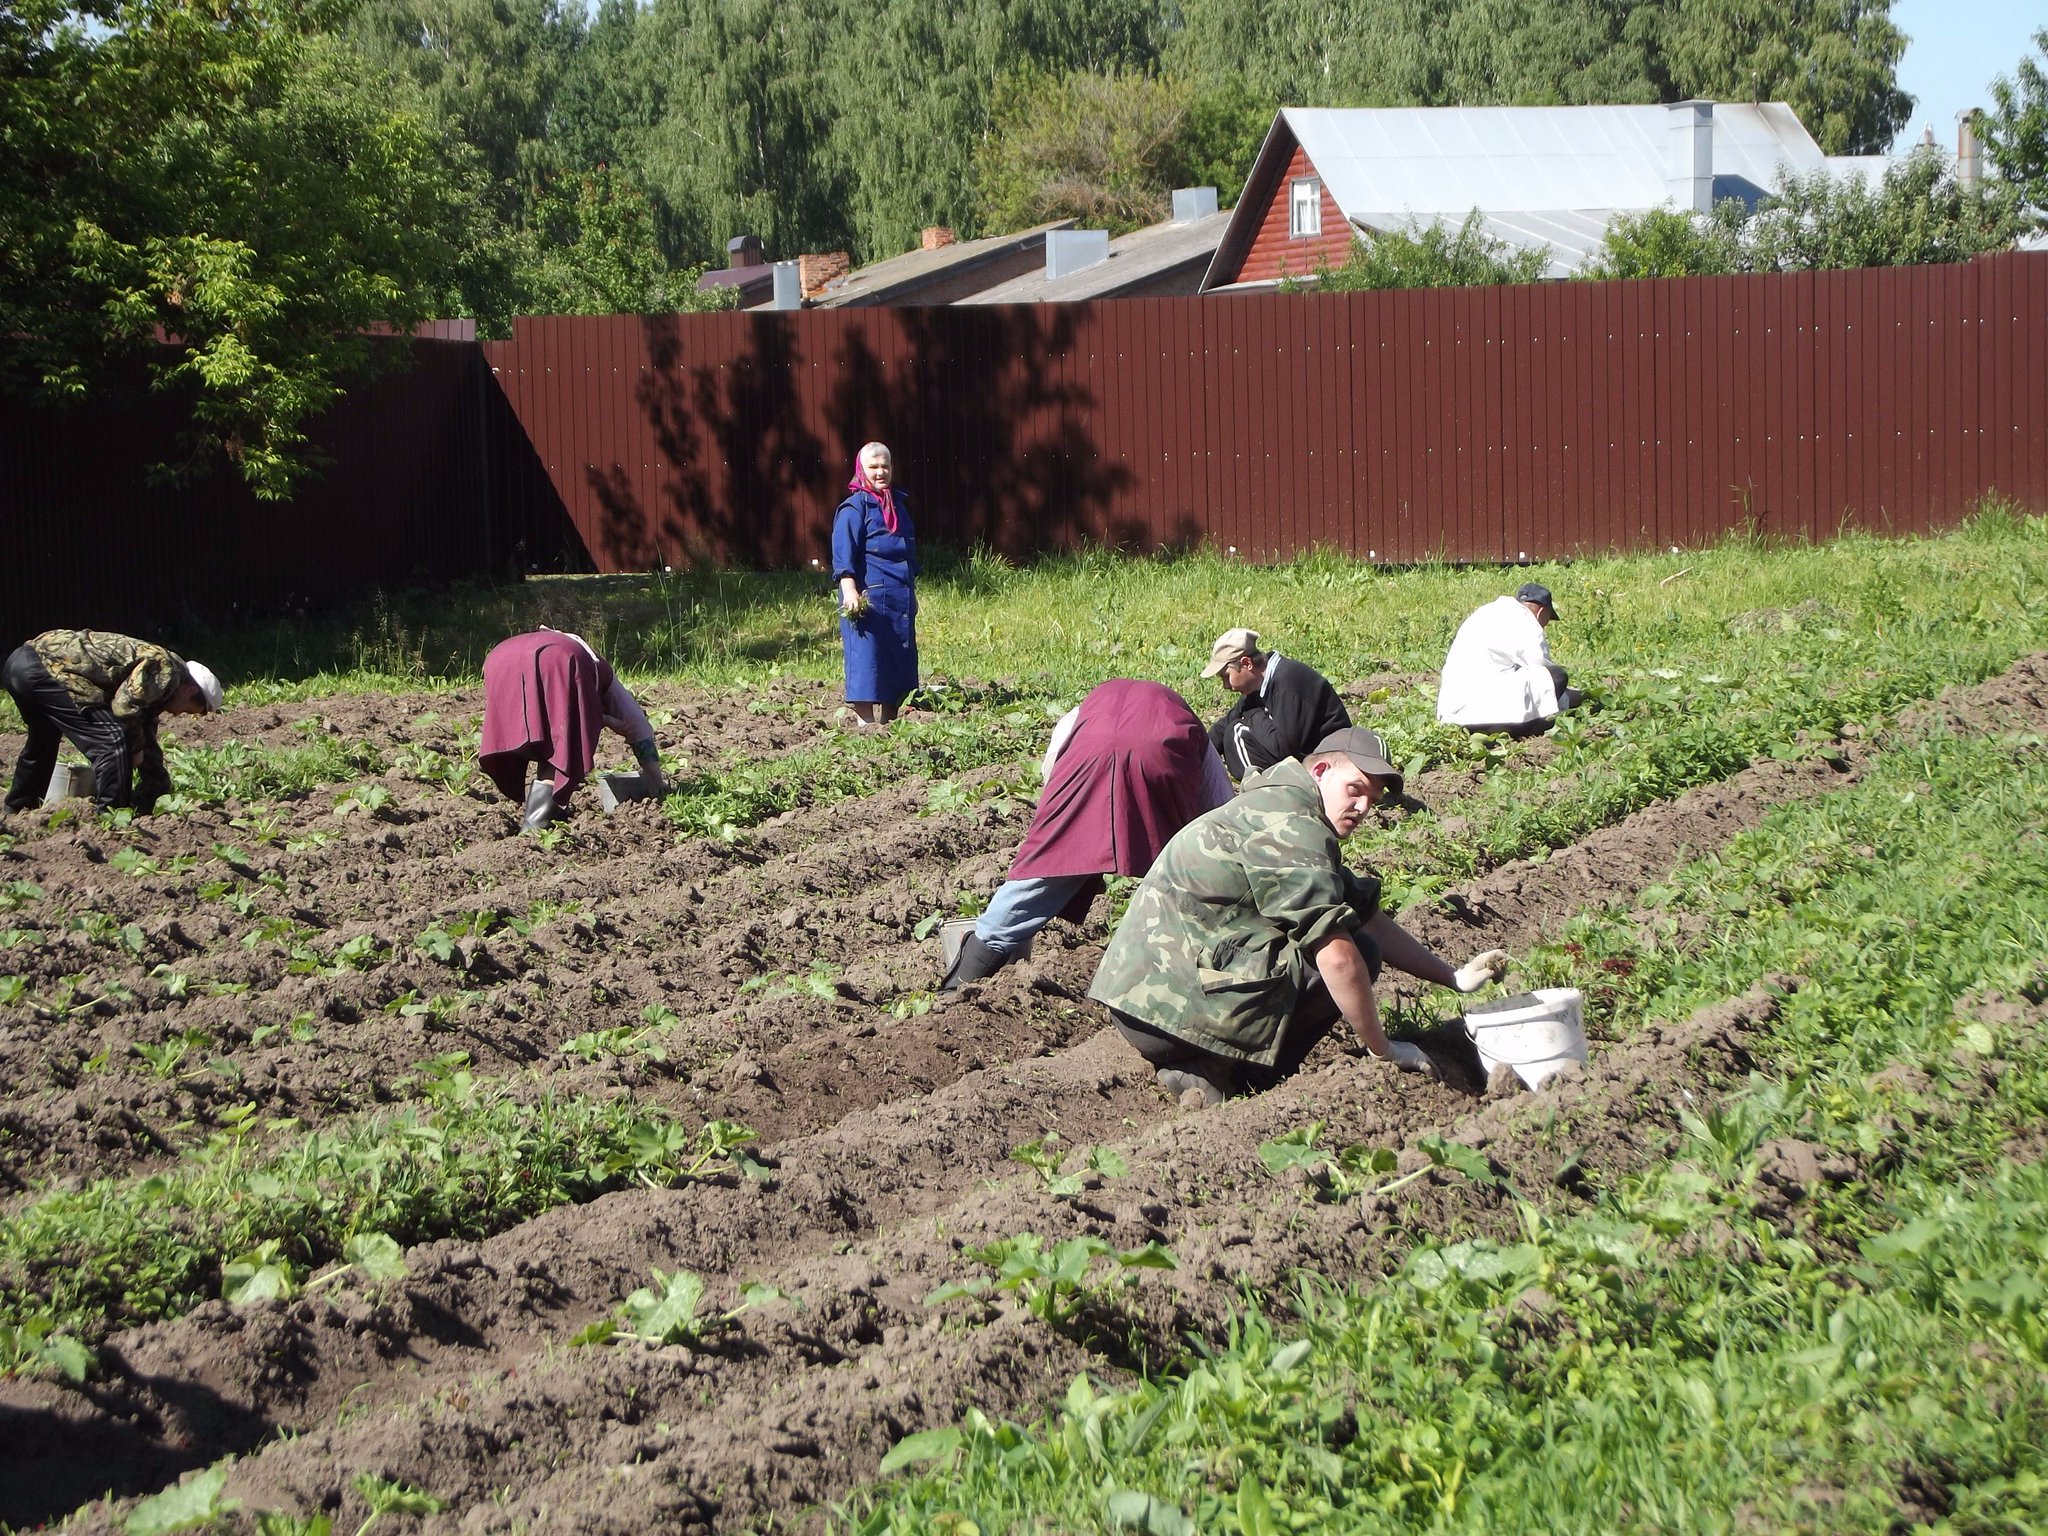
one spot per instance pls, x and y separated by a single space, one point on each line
615 789
953 933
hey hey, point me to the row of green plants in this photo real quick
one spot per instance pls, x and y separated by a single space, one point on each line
262 1205
1671 728
1870 1354
955 730
1744 619
1711 704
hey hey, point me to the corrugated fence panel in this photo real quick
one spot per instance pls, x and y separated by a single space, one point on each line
1531 421
402 500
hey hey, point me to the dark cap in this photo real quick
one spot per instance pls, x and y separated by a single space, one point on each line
1536 592
1366 750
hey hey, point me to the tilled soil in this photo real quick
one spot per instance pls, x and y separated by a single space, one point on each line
801 1004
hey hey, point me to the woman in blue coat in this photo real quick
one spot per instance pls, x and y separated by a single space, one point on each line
874 555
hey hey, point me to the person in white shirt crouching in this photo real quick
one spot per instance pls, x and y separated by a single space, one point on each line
1499 676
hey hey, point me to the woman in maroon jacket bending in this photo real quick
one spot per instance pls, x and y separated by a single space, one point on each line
547 697
1126 770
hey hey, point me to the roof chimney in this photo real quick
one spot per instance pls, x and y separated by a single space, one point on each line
1689 169
1069 250
936 238
1192 203
789 288
819 271
744 251
1969 159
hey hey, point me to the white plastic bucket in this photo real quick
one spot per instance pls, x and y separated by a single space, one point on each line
68 781
1536 1033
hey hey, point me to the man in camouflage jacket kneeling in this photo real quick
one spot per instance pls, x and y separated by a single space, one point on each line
1249 937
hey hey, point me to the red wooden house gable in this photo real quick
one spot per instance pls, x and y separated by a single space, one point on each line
1274 251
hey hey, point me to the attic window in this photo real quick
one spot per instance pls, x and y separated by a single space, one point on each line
1305 207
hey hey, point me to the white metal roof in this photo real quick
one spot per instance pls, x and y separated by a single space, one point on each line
1549 177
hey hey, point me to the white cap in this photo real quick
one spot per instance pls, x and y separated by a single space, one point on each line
208 684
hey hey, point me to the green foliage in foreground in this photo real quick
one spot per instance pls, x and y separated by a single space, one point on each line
468 1162
237 770
1889 1340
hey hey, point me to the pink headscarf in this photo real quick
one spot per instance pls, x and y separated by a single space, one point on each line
860 482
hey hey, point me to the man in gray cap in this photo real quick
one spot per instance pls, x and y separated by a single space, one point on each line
1249 937
1284 707
1499 676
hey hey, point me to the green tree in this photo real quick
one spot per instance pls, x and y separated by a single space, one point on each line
1103 149
1834 62
1433 256
490 67
1662 242
1109 150
222 174
739 134
2016 130
1918 212
601 100
595 253
917 87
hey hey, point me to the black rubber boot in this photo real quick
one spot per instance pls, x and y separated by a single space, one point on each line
974 962
540 806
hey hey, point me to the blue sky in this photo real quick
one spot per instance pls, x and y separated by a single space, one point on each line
1956 48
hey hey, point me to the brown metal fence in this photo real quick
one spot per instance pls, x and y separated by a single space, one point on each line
1479 424
1482 424
88 540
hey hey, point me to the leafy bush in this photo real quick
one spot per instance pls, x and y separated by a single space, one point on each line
1432 256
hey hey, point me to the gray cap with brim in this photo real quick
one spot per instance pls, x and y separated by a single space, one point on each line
1365 749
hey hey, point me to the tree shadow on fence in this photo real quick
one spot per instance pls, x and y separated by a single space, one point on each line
756 419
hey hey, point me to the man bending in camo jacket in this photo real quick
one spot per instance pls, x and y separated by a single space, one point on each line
1249 937
102 692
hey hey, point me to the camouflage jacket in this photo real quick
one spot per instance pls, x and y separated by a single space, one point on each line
132 678
1216 946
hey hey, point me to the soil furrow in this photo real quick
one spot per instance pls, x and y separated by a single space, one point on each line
892 1141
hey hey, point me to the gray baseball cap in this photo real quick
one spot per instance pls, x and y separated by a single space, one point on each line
1366 750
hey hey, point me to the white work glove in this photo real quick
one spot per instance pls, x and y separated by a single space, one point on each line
1410 1057
1480 969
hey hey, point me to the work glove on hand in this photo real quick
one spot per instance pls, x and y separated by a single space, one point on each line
1410 1057
1480 969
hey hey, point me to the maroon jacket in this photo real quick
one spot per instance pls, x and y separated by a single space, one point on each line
1130 777
543 701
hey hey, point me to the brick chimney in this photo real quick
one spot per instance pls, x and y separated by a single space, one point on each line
937 238
817 272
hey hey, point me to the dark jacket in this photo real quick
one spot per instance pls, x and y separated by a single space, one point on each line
1295 710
